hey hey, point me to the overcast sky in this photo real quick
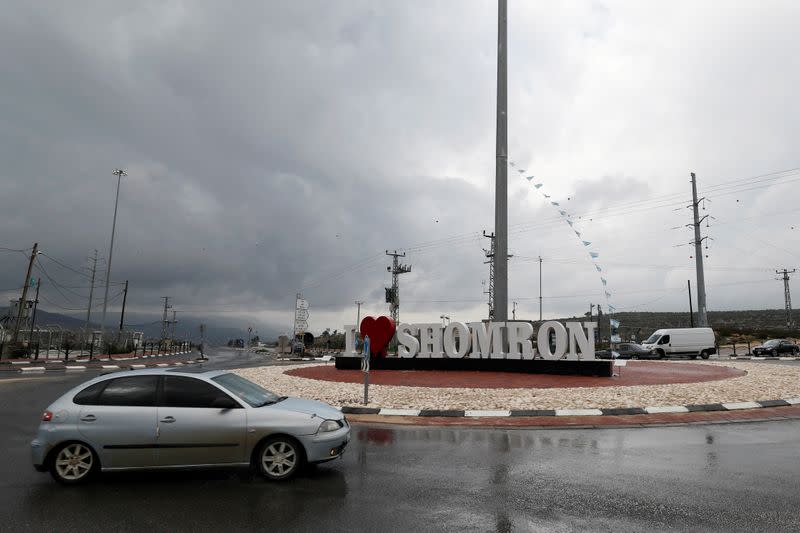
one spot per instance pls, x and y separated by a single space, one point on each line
282 147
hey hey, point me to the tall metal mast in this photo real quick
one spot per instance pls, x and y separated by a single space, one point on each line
501 175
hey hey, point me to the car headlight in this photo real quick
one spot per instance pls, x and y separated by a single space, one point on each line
329 425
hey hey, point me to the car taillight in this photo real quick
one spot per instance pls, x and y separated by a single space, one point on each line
47 416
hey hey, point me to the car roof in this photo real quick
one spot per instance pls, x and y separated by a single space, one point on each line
167 372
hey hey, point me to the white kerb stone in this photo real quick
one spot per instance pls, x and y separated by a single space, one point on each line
666 409
740 405
399 412
495 412
578 412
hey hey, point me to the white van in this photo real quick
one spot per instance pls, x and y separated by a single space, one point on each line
682 341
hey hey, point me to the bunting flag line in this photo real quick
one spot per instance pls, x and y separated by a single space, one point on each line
592 254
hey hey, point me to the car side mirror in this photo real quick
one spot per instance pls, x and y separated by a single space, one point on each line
224 402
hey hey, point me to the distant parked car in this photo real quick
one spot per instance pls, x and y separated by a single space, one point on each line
774 347
176 418
607 354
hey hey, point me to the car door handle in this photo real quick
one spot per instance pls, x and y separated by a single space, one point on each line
168 419
88 418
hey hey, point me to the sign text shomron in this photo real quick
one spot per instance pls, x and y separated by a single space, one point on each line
484 340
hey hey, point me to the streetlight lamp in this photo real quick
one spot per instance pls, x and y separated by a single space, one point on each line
118 173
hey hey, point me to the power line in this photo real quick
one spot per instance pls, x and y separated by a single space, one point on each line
59 263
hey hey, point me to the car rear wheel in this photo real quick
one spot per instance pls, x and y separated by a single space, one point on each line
279 458
704 354
73 463
794 351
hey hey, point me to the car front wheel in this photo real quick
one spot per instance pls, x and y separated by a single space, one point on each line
774 353
73 463
279 458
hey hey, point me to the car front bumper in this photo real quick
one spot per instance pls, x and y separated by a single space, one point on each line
326 446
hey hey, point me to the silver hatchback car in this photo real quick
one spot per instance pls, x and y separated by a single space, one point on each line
169 418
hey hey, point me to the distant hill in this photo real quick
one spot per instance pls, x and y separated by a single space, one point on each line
765 322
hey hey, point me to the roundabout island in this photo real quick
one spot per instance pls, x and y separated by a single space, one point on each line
639 393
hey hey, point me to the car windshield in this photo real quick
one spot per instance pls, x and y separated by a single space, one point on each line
254 395
773 342
653 338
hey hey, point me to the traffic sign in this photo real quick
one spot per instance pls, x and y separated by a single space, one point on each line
302 303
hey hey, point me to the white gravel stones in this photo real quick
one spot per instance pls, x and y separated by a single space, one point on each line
762 382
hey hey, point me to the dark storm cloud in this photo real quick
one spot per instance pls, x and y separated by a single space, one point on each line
277 147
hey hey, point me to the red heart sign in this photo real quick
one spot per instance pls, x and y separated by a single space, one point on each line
380 331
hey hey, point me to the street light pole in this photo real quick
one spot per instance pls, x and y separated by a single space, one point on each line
118 173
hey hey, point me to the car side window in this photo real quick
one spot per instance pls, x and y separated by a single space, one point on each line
182 391
88 396
664 339
134 391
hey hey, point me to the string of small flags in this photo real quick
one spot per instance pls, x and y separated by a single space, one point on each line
539 186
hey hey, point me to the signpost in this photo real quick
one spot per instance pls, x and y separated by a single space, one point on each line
365 368
300 320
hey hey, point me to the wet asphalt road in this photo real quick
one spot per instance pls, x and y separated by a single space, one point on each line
731 477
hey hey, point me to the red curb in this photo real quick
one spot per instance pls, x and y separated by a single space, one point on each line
636 373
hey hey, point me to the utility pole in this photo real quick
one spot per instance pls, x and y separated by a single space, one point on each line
691 313
124 301
358 303
490 253
165 320
500 289
514 311
34 253
591 311
490 256
540 288
702 317
393 293
91 295
787 296
174 321
600 324
33 318
202 340
118 173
